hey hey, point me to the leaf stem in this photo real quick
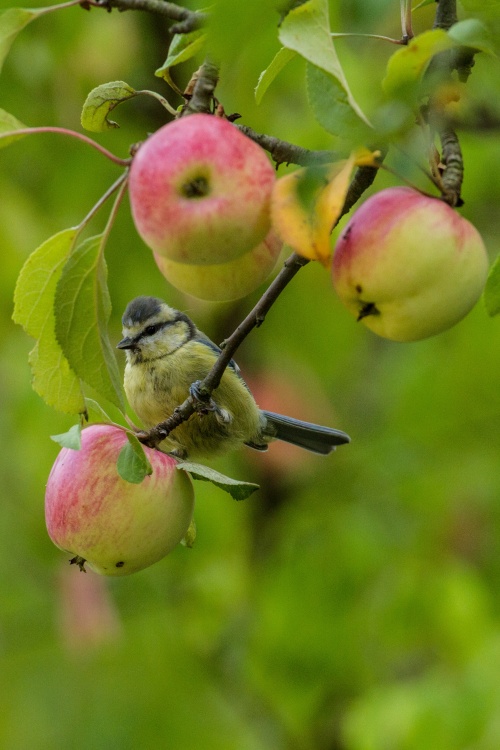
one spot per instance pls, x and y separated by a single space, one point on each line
171 110
390 39
102 200
121 184
72 134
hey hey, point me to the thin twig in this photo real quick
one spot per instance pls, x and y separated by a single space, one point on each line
187 20
283 152
72 134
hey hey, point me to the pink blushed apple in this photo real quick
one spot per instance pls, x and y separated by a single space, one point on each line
115 526
224 281
409 266
200 191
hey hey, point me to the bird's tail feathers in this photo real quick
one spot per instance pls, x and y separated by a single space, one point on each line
312 437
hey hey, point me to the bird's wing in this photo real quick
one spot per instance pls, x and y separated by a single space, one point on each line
203 339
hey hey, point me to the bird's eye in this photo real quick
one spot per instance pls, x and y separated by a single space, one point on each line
150 330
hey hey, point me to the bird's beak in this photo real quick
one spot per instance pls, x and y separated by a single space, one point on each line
126 343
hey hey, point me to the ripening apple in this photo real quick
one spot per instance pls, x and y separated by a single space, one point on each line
114 526
200 191
224 281
409 266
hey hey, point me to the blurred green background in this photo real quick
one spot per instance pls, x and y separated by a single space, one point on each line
354 602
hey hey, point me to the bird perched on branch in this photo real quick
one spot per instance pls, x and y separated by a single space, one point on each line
167 356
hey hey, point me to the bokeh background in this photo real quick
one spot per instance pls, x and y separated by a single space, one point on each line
354 602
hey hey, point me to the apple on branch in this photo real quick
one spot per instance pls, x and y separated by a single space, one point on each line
115 526
200 191
409 266
223 282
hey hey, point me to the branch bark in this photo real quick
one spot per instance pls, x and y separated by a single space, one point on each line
442 67
186 20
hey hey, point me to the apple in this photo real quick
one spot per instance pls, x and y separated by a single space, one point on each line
200 191
115 526
408 266
224 281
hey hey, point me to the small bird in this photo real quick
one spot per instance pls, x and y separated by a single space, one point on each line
166 357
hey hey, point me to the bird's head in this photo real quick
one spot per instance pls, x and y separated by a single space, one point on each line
152 329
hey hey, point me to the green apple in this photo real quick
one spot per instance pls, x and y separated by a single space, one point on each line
409 266
200 191
224 281
114 526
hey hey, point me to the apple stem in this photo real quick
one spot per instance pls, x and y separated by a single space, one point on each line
95 208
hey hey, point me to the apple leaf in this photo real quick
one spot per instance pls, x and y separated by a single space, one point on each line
189 537
133 464
82 313
97 415
53 378
472 33
407 65
12 21
70 439
8 123
492 289
238 490
423 4
331 107
306 30
306 204
101 101
281 58
183 47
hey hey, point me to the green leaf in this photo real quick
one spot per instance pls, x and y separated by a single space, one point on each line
238 490
71 439
12 21
275 67
53 378
472 33
133 464
189 537
7 123
422 4
330 104
101 101
182 48
95 412
406 67
306 30
492 289
82 313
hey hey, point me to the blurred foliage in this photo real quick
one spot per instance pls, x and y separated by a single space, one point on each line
353 603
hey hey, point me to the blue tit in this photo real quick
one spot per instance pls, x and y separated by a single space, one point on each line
166 354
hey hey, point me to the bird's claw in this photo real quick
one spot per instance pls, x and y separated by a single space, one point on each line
206 405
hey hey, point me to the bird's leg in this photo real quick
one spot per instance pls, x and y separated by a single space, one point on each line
205 404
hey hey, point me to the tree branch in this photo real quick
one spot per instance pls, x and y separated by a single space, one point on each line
440 69
187 20
283 152
200 90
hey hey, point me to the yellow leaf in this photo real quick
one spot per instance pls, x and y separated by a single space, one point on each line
306 204
365 158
